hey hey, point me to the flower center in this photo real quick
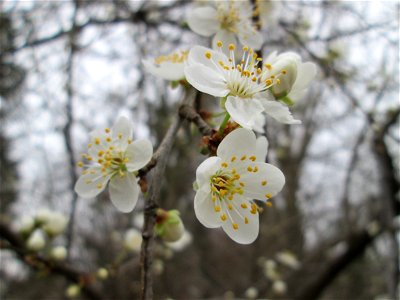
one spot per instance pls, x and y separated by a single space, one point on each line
228 18
176 57
224 185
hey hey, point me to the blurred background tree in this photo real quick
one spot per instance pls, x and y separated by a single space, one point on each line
68 67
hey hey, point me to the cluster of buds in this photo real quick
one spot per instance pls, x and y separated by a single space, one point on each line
39 230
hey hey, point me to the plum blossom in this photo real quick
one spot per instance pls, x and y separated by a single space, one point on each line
169 67
114 157
250 87
228 21
228 183
36 241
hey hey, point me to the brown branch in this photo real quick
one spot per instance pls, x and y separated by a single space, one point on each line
187 112
40 263
159 162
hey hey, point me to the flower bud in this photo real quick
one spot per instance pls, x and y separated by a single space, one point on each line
73 291
279 287
251 293
102 273
36 241
25 225
169 225
133 240
58 253
55 224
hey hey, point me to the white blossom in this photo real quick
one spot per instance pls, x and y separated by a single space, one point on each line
250 87
133 240
169 67
228 21
228 183
25 224
36 240
115 158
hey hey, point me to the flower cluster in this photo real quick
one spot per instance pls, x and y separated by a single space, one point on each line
113 157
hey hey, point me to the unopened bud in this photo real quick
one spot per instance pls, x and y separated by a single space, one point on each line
133 240
279 287
58 253
102 273
36 241
73 291
169 225
26 224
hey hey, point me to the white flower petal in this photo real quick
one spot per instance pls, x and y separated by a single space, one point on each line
279 112
206 169
204 209
124 192
306 73
259 123
226 38
166 70
203 20
197 56
237 143
122 126
244 111
139 154
97 142
92 183
206 80
250 37
245 233
261 148
263 184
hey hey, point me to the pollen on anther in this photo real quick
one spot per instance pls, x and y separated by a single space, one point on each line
269 204
219 44
250 169
108 139
243 205
230 206
243 157
80 164
255 169
224 165
208 55
235 226
99 185
97 141
107 130
120 135
231 47
252 158
278 81
245 48
223 217
268 196
246 220
268 66
264 183
217 208
233 158
283 72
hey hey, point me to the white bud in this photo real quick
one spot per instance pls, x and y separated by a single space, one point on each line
55 224
73 291
25 224
102 273
133 240
36 240
43 215
288 259
169 225
251 293
279 287
58 253
182 243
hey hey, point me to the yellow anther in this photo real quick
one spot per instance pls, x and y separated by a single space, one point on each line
223 217
283 72
231 47
233 171
88 181
100 161
268 82
227 68
254 79
269 204
241 184
230 206
99 185
235 226
84 172
258 71
264 183
217 208
80 164
243 205
255 169
222 192
90 145
240 191
245 48
250 169
243 157
246 220
252 158
208 54
237 176
230 197
219 44
224 165
108 139
272 76
108 157
278 81
120 135
111 148
268 196
129 141
259 58
88 157
97 141
214 198
214 189
100 153
233 158
107 130
268 66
